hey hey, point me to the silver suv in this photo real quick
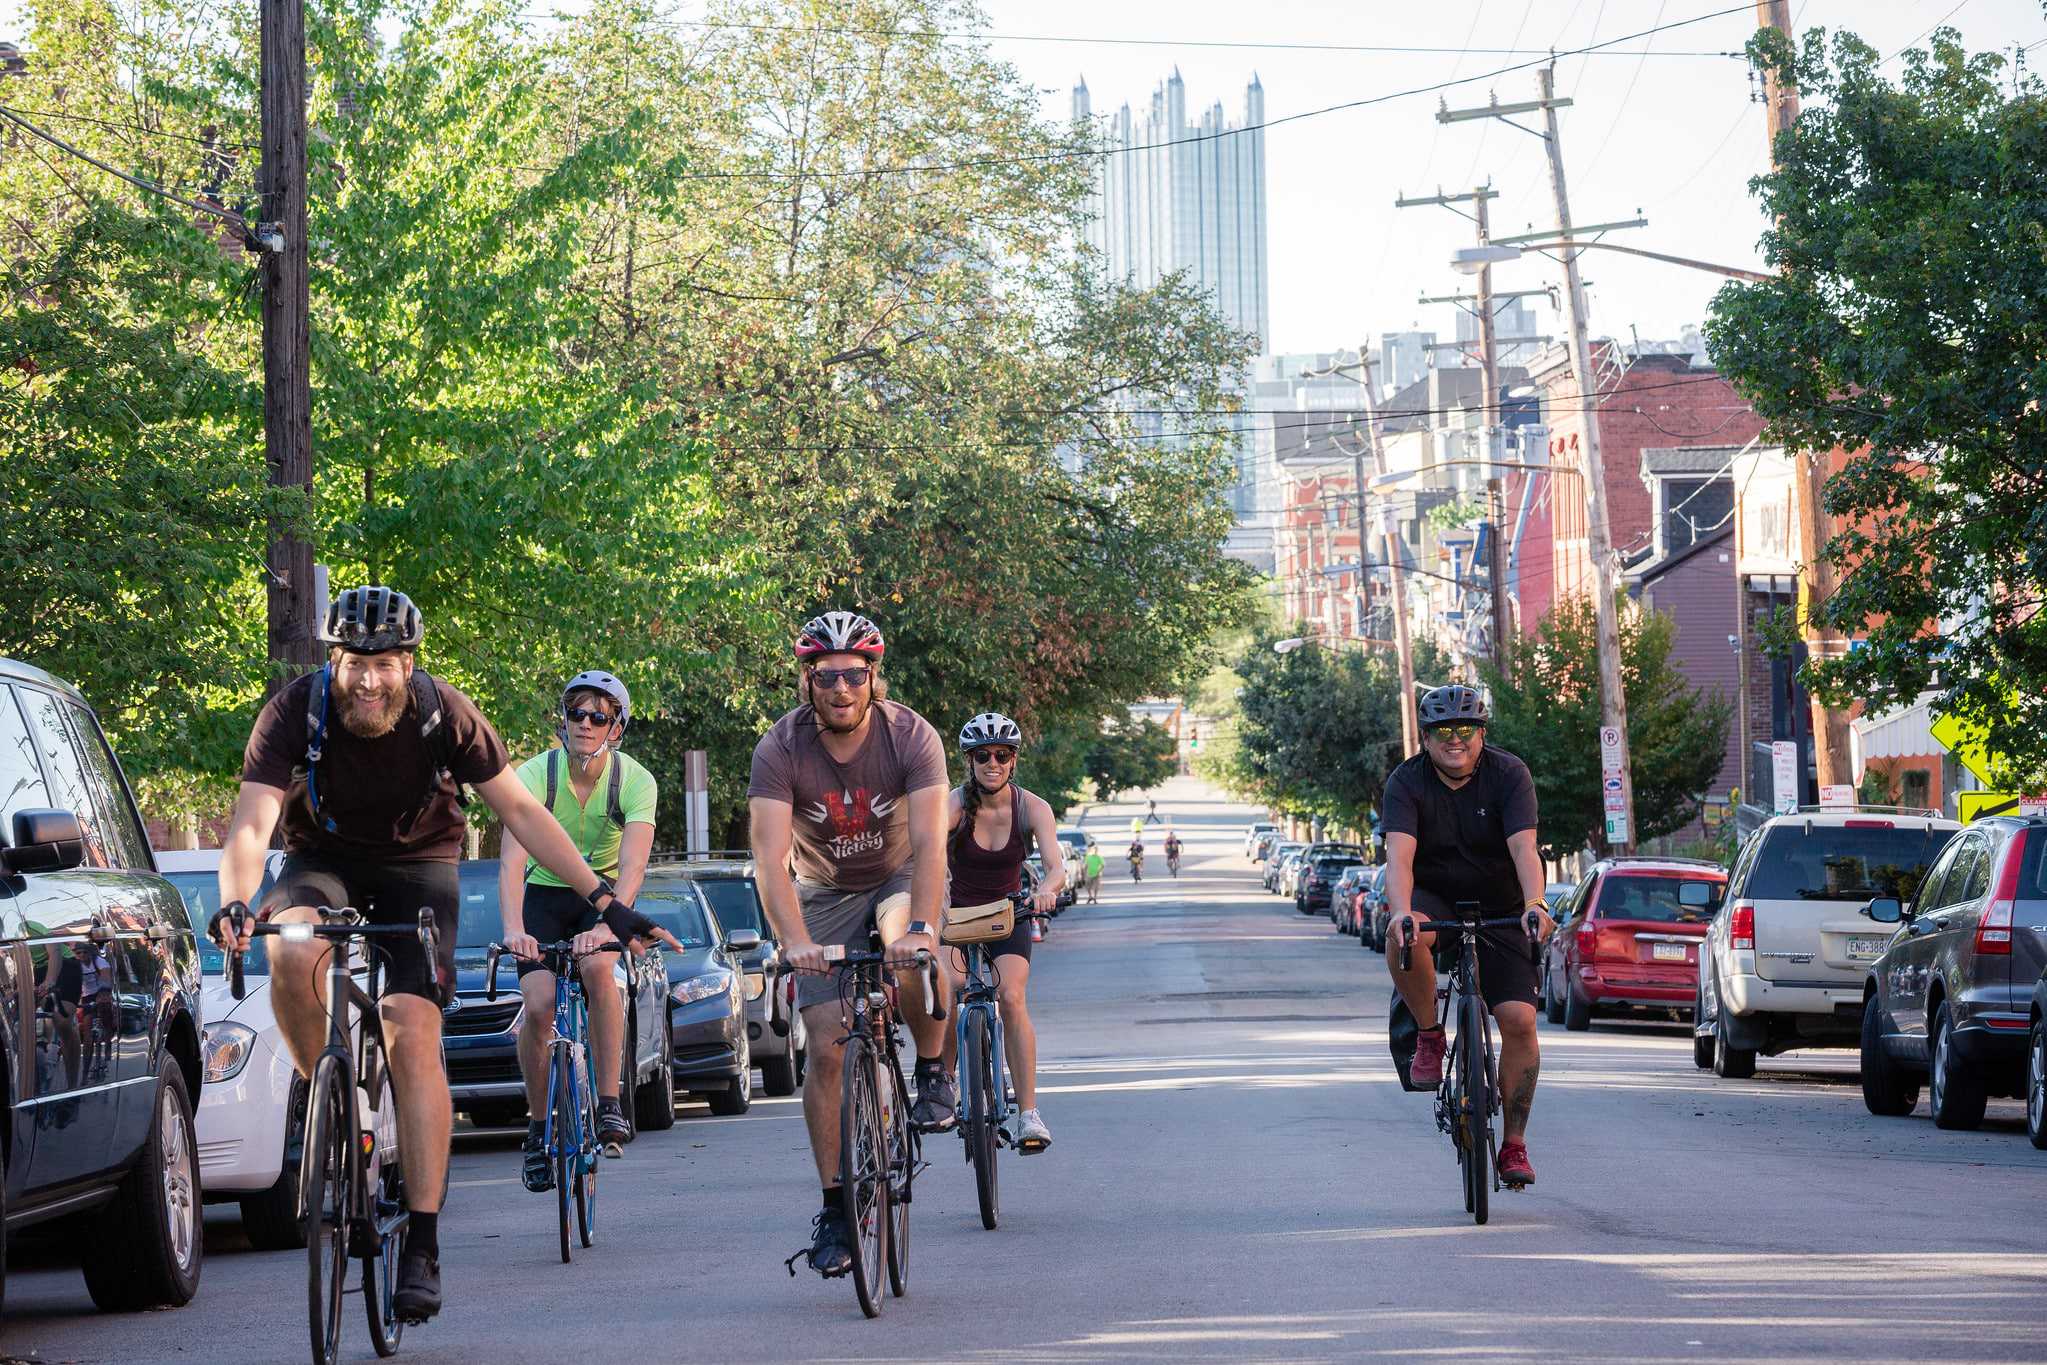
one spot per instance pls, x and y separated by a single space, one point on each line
1786 958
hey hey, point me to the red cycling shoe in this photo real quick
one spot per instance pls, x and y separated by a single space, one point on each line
1513 1164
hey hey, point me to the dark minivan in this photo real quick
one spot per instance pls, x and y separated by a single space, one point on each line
1950 1001
99 1008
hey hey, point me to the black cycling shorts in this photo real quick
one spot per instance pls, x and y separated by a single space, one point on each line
552 914
385 893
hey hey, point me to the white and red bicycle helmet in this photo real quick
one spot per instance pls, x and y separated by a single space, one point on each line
839 632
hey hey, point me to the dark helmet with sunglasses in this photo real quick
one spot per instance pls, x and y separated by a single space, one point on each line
990 727
1452 705
839 632
597 680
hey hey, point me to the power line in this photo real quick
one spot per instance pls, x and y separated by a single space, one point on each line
149 186
138 128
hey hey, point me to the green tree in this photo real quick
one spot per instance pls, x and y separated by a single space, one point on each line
1903 325
1129 753
1548 717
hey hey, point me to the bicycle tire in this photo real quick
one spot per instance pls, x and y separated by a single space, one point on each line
386 1197
981 1141
586 1152
561 1124
328 1173
1478 1091
904 1150
863 1172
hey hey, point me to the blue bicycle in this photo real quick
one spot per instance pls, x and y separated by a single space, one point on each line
571 1087
986 1102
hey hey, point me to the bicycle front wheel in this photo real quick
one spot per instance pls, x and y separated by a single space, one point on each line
1477 1109
863 1171
387 1221
983 1103
328 1174
903 1153
562 1130
586 1155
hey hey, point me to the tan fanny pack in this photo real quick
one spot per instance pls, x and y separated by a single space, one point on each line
978 923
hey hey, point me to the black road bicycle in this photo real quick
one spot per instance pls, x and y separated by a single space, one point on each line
1469 1096
351 1182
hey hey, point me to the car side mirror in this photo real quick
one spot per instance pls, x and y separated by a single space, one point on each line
742 941
1885 910
44 841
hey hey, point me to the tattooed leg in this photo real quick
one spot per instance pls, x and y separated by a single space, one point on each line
1520 1063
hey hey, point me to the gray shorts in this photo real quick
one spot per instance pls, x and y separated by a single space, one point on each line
847 918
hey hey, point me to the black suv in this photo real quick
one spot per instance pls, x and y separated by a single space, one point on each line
1950 1001
99 1008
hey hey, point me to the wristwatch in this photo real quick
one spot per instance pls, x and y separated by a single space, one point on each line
918 926
603 888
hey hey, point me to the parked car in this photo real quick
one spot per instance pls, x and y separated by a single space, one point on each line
1343 898
1290 871
708 990
251 1119
480 1036
1556 895
1262 846
1787 956
2036 1067
1276 861
1950 1001
1316 880
775 1035
1628 939
1076 844
1381 912
100 1010
1258 827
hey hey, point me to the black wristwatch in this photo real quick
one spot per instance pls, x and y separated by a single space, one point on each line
603 888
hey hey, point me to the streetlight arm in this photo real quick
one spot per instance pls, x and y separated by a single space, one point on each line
1732 272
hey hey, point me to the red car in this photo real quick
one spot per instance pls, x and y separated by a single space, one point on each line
1628 939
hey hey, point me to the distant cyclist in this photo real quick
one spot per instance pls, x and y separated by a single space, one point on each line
1172 853
1137 860
849 789
606 801
1460 826
994 822
364 761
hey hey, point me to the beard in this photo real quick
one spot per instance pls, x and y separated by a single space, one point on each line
859 714
367 719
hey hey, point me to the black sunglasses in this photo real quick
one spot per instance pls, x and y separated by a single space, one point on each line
828 678
994 755
576 715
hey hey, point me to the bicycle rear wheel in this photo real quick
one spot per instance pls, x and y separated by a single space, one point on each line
904 1148
863 1171
586 1154
562 1134
1477 1110
387 1227
328 1174
982 1105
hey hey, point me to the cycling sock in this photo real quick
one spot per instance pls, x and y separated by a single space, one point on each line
536 1128
925 1064
423 1233
607 1103
831 1199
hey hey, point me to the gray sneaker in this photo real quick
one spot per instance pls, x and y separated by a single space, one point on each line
1031 1135
937 1106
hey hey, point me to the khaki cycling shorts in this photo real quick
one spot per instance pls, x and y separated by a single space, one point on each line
847 918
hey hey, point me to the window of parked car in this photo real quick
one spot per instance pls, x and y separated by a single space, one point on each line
479 924
671 902
127 844
201 891
1842 862
735 903
68 789
1658 898
21 778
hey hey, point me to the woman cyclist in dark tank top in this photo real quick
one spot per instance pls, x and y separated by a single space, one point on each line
993 824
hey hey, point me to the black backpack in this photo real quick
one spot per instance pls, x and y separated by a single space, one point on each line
426 701
614 808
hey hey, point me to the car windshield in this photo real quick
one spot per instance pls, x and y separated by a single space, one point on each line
1073 838
1635 896
1842 862
1326 866
735 903
479 925
1289 850
201 891
671 903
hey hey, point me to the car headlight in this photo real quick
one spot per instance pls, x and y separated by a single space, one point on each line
228 1047
701 987
756 985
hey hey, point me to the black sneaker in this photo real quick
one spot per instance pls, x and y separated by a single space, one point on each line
936 1109
539 1169
613 1132
831 1249
418 1296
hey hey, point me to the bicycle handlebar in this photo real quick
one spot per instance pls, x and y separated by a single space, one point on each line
1525 921
297 932
924 963
561 945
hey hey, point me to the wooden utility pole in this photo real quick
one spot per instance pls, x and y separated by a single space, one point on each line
1410 718
1613 701
287 340
1830 741
1489 372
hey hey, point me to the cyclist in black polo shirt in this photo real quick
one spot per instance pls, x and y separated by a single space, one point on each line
1460 826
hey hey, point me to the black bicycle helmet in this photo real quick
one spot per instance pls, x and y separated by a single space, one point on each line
990 727
1452 705
372 620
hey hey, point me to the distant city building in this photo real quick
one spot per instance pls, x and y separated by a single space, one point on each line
1404 359
1511 319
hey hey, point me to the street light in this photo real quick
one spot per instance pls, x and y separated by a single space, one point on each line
1469 260
1288 646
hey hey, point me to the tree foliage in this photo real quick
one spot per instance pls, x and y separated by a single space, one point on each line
1903 326
1548 717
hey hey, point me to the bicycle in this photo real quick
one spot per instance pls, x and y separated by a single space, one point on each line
571 1086
880 1151
1469 1095
1137 867
351 1180
985 1098
1173 863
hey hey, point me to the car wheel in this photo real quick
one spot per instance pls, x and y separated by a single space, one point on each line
1730 1062
737 1096
144 1249
1577 1010
1702 1043
1957 1095
2036 1086
270 1218
629 1078
654 1102
778 1074
1552 1007
1887 1089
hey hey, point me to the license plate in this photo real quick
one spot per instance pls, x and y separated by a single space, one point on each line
1667 952
1867 947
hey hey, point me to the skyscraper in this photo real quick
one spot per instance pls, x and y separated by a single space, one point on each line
1185 197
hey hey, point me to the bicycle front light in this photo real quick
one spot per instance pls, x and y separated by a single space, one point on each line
228 1046
701 987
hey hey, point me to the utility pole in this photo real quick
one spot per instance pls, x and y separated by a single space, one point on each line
287 339
1831 754
1410 720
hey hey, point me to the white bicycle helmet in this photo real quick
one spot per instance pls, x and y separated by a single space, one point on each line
990 727
596 679
839 632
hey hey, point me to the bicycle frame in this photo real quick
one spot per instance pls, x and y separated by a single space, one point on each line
977 997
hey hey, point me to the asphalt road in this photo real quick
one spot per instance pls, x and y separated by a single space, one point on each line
1236 1174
